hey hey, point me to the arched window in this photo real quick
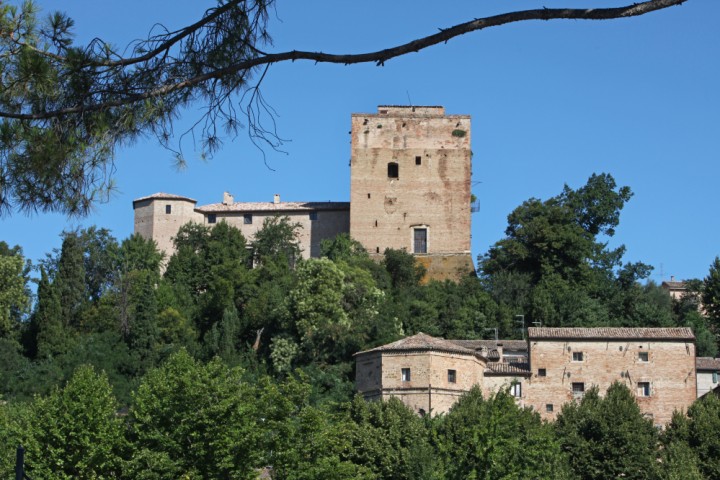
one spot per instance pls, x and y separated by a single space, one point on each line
393 170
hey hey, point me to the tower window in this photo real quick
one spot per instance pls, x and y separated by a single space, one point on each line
542 372
644 389
418 160
247 219
393 170
578 389
168 209
420 240
405 374
452 376
578 356
642 356
212 218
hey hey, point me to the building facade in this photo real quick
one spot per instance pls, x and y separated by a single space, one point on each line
553 367
409 187
708 374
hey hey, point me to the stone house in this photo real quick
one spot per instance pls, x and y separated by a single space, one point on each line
410 172
554 366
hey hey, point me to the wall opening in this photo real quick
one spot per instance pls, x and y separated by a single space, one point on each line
420 240
418 160
393 170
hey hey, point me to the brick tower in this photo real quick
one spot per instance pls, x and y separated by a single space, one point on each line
410 186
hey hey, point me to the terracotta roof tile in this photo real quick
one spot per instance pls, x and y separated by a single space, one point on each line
422 341
273 207
164 196
603 333
707 363
501 369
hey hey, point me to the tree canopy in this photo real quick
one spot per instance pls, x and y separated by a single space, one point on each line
66 108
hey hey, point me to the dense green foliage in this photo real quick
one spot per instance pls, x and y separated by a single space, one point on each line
232 356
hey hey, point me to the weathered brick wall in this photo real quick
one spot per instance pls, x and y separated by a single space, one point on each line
432 189
670 370
328 225
380 374
152 221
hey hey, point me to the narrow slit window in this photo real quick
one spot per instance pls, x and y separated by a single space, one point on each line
393 170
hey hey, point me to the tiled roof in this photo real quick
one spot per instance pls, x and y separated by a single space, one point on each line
603 333
707 363
674 285
492 344
272 207
422 341
164 196
500 369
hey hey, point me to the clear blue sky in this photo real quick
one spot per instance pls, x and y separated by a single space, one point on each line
551 103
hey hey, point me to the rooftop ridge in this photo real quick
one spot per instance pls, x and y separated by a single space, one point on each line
602 333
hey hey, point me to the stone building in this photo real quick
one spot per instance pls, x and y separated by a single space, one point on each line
657 364
409 188
554 366
159 217
410 185
708 371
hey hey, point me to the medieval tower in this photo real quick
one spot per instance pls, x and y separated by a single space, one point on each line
410 186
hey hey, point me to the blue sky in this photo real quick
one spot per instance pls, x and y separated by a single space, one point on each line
551 103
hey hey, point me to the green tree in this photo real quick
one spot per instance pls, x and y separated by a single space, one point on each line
50 333
701 433
277 241
14 297
70 279
711 294
195 420
494 438
608 437
404 270
76 432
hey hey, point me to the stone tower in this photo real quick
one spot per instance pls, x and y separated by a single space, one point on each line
410 186
160 216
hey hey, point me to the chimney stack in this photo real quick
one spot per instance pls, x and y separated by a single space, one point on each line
228 199
276 198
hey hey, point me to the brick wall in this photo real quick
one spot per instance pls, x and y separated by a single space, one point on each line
431 190
669 371
153 222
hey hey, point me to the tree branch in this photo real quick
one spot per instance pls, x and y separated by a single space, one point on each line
378 57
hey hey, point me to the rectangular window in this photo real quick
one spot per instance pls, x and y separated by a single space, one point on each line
393 170
577 356
578 389
420 240
247 219
418 160
642 356
168 209
212 218
452 376
542 372
313 215
516 390
549 407
643 389
715 377
405 375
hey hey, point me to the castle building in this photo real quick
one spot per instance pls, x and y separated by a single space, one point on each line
553 367
410 174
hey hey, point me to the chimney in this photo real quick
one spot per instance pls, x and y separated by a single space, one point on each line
276 198
228 199
672 278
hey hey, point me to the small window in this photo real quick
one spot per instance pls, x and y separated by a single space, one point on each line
418 160
516 390
578 389
168 209
542 372
247 219
405 375
212 218
313 215
643 389
452 376
577 356
393 170
368 195
715 377
642 356
549 407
